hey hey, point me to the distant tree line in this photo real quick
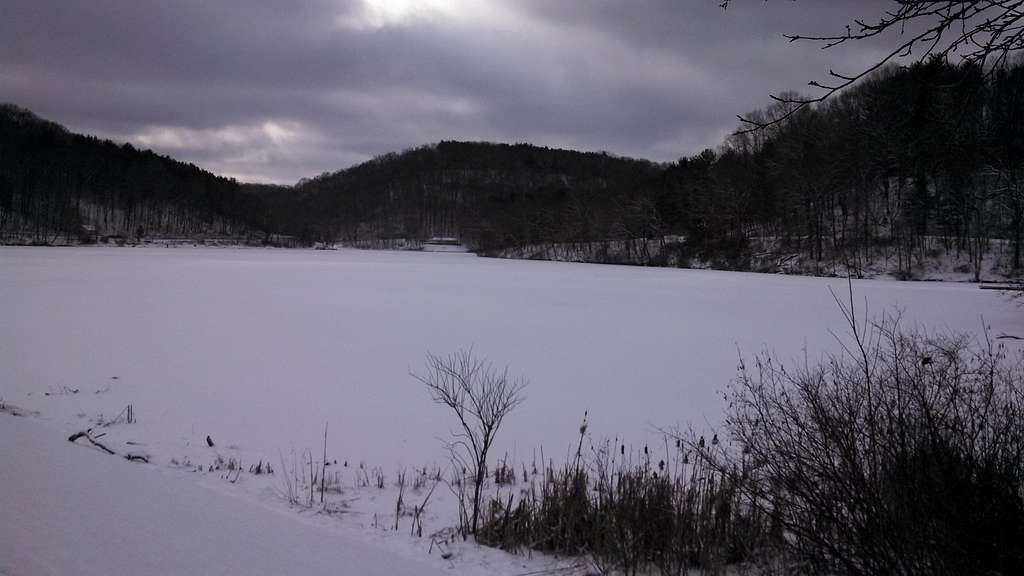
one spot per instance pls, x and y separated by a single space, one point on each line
56 186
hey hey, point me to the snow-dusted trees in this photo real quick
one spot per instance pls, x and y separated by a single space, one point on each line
55 184
480 396
909 163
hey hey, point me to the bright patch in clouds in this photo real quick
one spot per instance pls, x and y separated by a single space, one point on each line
175 138
384 13
247 152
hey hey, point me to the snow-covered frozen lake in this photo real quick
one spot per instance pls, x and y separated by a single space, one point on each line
260 348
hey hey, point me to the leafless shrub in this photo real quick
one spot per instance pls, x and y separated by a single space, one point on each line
458 486
631 514
260 468
301 479
400 503
903 455
481 397
417 512
504 475
125 416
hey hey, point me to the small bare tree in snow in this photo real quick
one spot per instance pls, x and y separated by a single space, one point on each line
480 396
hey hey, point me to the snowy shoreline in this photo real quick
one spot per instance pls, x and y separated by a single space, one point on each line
934 270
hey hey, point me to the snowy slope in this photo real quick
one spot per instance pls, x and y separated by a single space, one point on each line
73 510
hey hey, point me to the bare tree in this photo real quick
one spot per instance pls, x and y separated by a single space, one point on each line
480 396
981 32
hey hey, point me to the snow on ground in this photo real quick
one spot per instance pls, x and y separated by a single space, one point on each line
70 510
259 349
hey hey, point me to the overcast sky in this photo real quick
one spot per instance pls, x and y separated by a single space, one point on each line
272 91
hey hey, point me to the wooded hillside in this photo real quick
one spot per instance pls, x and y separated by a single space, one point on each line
60 186
913 164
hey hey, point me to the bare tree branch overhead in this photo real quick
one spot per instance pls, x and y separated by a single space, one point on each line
981 32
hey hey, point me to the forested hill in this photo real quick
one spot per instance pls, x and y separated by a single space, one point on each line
916 171
487 195
56 186
911 165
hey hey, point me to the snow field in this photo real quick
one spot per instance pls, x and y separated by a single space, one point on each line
259 349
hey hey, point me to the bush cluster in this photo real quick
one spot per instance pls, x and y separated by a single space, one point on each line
901 455
630 514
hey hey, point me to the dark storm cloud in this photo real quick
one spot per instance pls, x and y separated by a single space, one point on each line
268 91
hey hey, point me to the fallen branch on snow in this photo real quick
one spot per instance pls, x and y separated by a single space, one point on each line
86 434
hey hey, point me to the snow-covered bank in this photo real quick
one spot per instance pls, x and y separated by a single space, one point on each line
938 264
72 510
941 262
